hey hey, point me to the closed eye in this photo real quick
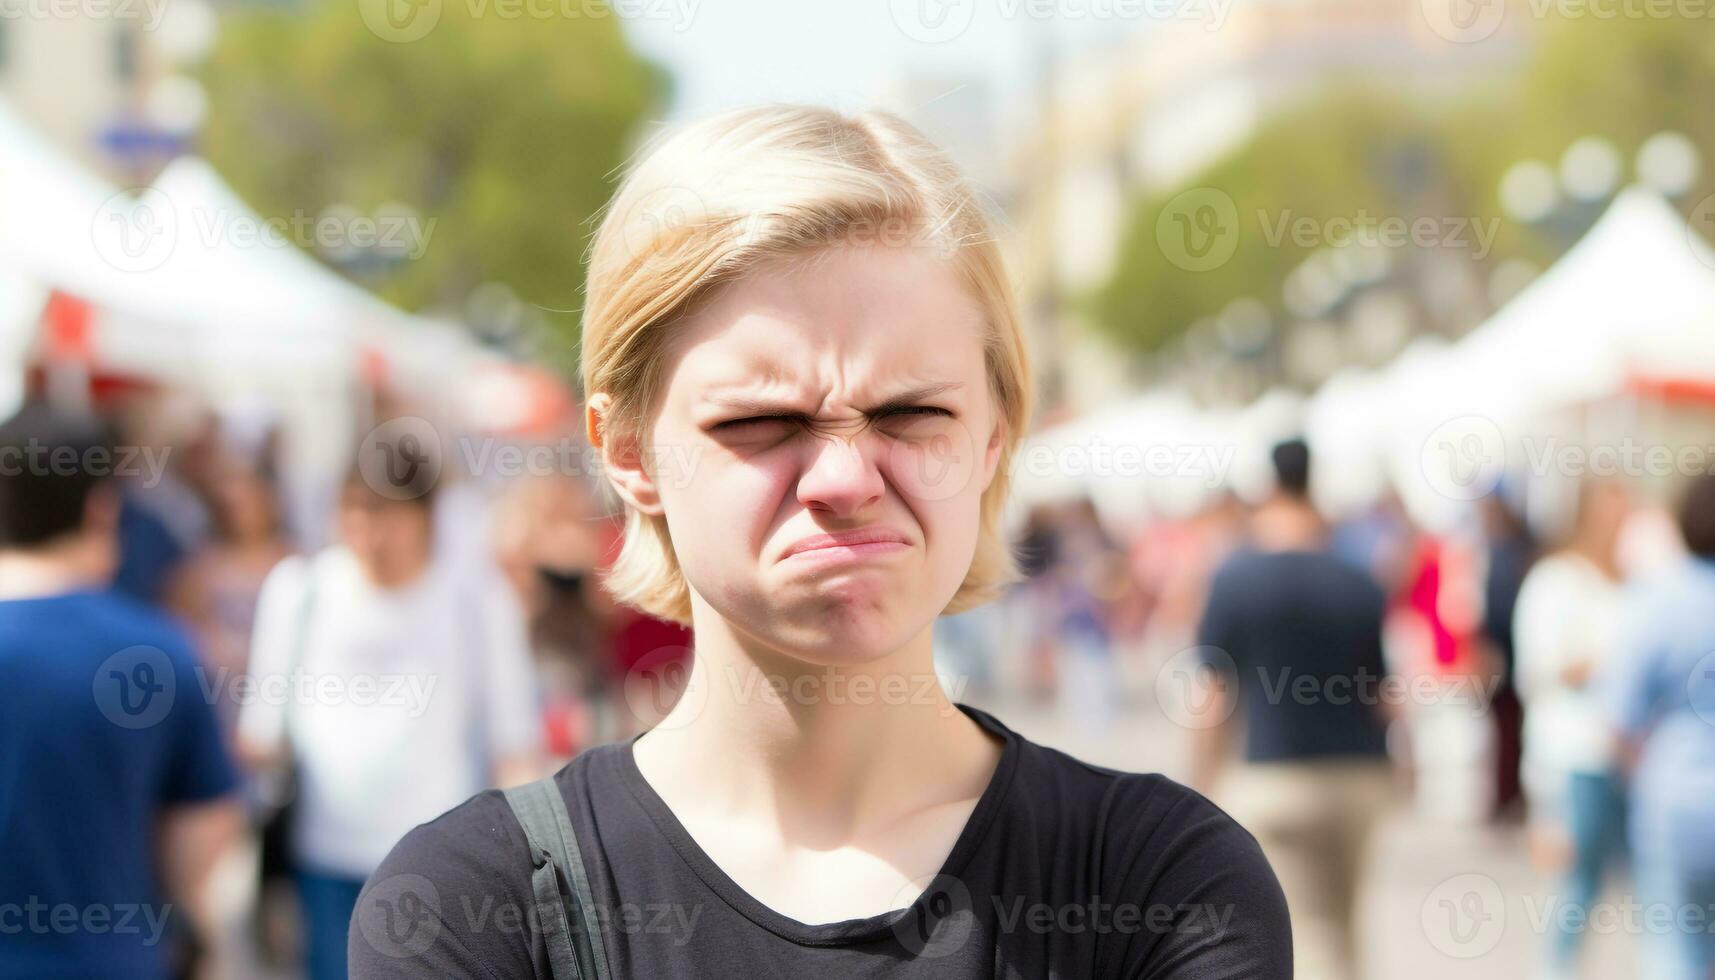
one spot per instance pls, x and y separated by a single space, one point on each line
918 410
757 420
930 410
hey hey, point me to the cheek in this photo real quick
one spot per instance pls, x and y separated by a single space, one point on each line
950 529
723 510
934 461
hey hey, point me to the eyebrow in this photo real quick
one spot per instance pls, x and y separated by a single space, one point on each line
763 406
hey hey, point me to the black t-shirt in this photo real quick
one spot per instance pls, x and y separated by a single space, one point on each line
1303 631
1064 869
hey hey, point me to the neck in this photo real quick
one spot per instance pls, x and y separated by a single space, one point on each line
827 746
392 577
1599 553
1287 523
52 570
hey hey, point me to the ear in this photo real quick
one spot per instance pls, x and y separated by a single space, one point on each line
991 452
101 509
622 458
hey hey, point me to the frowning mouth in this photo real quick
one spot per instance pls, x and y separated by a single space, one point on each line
846 554
848 546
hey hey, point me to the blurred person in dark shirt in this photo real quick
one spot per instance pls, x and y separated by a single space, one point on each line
217 590
115 787
550 534
165 512
1509 550
1292 634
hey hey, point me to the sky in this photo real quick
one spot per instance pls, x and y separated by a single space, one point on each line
844 52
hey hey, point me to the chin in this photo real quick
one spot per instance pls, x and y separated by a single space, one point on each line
832 621
845 634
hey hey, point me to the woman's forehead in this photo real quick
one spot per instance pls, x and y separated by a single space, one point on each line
770 341
735 371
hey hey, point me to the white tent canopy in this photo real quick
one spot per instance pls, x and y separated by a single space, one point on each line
1630 283
188 284
423 352
1156 455
1635 296
172 297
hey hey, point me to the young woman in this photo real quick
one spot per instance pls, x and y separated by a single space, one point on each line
806 381
1566 623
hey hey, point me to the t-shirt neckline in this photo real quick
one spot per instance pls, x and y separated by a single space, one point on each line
846 931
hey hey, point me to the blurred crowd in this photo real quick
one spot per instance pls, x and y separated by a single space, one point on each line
336 680
1556 675
1553 673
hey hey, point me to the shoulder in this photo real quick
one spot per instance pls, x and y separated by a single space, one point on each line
1345 575
1165 854
481 837
140 624
1136 816
1242 562
1661 591
1557 568
452 898
465 877
292 574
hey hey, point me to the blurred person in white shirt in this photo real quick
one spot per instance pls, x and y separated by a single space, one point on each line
1566 624
401 683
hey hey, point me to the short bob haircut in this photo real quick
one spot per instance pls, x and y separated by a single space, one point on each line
712 202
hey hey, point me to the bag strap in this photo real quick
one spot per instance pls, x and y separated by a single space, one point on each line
541 811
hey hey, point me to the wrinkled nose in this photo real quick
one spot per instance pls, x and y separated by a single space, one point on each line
841 476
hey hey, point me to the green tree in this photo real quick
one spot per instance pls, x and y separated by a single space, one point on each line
505 131
1344 155
1372 147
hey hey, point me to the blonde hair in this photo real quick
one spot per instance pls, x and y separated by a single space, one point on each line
715 200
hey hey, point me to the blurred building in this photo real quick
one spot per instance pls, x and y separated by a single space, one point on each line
959 112
100 79
1159 104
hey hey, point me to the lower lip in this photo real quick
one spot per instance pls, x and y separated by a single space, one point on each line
847 553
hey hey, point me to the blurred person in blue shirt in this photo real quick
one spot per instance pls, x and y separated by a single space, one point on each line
1661 690
115 787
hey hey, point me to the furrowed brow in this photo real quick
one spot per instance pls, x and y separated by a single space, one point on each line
763 406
